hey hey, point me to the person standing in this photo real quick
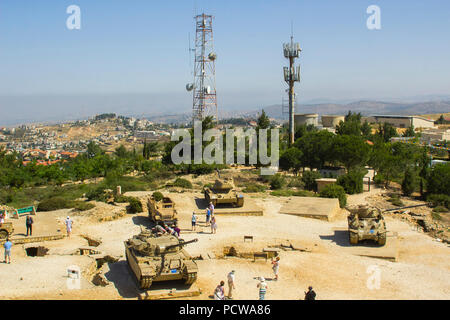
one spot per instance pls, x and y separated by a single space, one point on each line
310 295
29 224
194 221
7 246
2 218
69 223
213 224
208 215
262 285
276 265
211 208
231 286
219 292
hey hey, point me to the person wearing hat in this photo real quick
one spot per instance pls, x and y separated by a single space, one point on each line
68 222
231 284
310 295
262 285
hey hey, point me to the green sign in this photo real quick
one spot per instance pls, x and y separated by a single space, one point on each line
25 210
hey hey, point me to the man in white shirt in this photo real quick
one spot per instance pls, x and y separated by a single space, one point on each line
68 222
231 284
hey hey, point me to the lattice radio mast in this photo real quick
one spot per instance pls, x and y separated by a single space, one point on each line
204 86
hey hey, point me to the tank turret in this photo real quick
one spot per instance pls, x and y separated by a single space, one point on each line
223 191
160 258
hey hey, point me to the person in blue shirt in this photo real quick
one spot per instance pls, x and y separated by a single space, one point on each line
194 221
208 215
7 247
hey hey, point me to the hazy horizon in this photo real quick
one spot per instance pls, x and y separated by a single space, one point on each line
133 59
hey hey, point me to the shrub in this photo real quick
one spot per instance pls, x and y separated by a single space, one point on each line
296 183
309 179
182 183
292 193
438 181
158 196
134 206
440 209
409 183
352 182
254 188
97 194
334 191
277 182
54 203
396 201
120 199
439 200
82 206
379 179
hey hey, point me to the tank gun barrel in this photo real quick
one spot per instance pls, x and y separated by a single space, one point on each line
182 243
406 207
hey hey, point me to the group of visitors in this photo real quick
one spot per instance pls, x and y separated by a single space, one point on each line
210 219
219 292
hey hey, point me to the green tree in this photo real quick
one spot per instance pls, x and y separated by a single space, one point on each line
301 130
122 152
409 132
409 182
309 179
351 125
93 150
386 131
263 121
316 148
351 151
291 159
438 181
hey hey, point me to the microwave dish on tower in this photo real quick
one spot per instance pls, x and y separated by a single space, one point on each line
204 99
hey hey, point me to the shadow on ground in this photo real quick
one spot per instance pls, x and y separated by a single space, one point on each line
121 276
202 204
340 237
143 221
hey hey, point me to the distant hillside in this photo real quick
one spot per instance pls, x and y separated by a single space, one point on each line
365 107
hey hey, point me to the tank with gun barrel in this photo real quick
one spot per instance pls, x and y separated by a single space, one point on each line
6 230
367 223
160 258
223 191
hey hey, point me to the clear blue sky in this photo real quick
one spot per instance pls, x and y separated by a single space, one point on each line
141 46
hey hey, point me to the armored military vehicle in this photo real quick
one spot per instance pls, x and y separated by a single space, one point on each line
366 222
6 229
223 191
162 211
159 259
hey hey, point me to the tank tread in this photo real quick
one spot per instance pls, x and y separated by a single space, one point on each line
191 277
146 282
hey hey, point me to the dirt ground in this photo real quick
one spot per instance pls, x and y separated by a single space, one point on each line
421 272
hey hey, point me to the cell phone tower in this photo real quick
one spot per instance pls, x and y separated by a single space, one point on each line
204 86
291 75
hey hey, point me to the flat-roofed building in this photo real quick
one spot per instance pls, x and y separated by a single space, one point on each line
401 121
